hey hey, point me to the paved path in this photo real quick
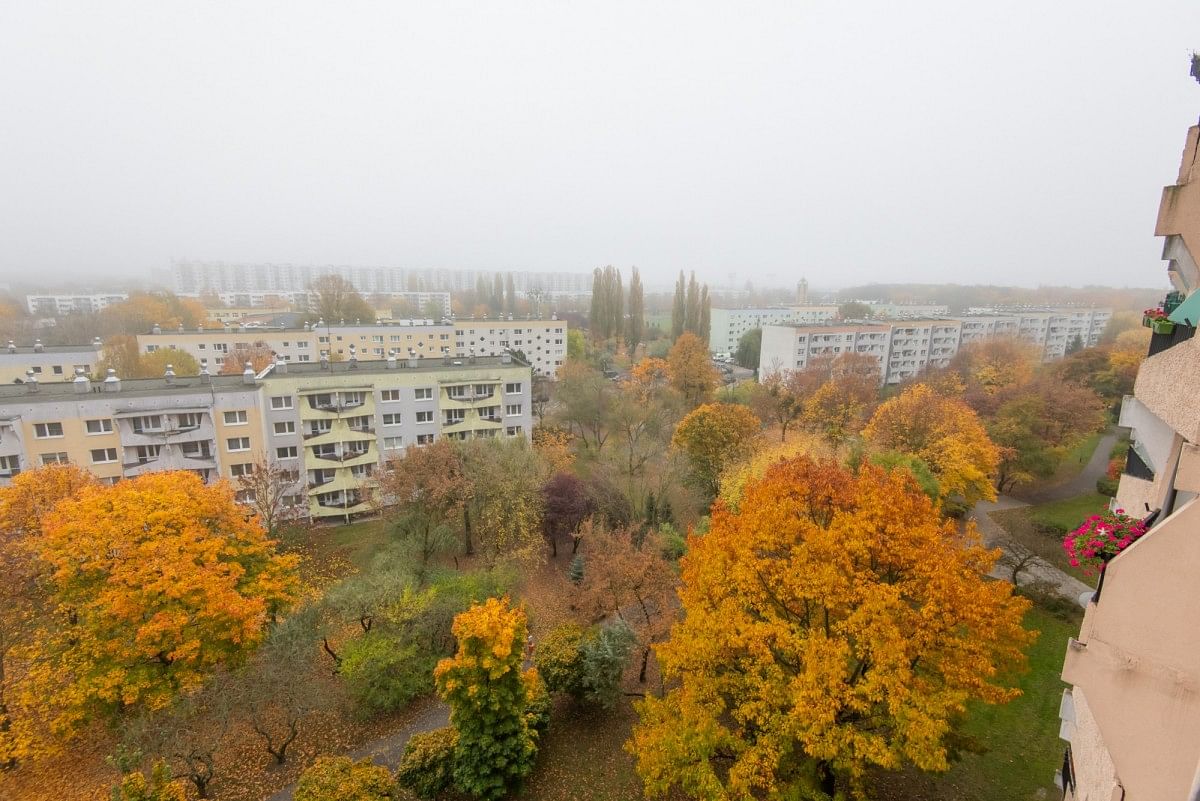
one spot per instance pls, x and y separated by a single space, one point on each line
431 713
1037 569
1085 481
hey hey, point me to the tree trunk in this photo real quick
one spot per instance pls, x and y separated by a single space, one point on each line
645 663
468 546
827 779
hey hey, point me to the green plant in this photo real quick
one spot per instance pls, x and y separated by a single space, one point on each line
558 660
1106 486
427 767
1101 537
134 786
575 571
603 655
384 674
342 779
539 704
674 542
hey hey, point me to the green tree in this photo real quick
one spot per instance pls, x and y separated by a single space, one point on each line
678 309
748 349
636 324
854 310
488 697
691 316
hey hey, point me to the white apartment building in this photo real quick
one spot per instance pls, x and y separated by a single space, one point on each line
47 362
906 310
728 325
543 342
191 277
56 305
792 347
303 299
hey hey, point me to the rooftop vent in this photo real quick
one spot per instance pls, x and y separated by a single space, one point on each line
82 383
111 382
169 374
391 359
157 329
11 347
248 374
37 346
31 382
506 357
96 343
280 365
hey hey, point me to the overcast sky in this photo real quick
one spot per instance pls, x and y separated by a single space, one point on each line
1013 143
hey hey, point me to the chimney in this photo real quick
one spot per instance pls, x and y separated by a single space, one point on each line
96 343
204 372
157 329
353 357
506 357
169 375
471 359
280 365
37 346
31 382
11 347
82 383
391 359
111 382
324 360
248 374
181 326
412 358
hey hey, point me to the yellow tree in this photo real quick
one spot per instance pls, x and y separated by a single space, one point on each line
945 434
23 504
154 582
691 369
836 622
715 436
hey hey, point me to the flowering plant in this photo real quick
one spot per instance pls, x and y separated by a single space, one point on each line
1100 538
1155 314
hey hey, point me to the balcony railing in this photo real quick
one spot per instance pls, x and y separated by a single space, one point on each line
1180 333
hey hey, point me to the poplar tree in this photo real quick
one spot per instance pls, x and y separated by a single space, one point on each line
678 309
636 323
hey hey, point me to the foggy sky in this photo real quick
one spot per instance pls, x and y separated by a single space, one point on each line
1013 143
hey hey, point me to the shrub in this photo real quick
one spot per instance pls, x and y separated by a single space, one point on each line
134 786
342 779
1106 486
538 704
603 655
384 674
558 659
427 767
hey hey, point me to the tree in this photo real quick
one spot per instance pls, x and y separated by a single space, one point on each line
691 314
275 494
692 372
576 346
424 493
779 398
23 599
488 696
715 436
627 578
154 364
854 310
342 779
427 767
945 434
748 349
567 504
259 356
506 504
585 400
587 664
635 327
155 582
837 409
510 294
834 623
704 325
338 300
160 786
678 309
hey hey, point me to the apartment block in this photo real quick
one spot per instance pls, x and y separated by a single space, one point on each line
542 342
56 305
261 302
792 347
1131 716
329 425
728 325
47 362
906 310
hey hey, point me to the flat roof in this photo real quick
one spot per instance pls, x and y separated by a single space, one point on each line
28 349
316 329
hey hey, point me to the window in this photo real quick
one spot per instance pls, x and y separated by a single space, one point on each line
239 470
146 453
424 439
221 347
237 418
281 402
513 389
10 465
513 431
197 450
286 427
55 458
188 420
37 369
393 443
58 369
238 443
302 343
391 419
244 496
390 395
455 416
286 453
513 410
47 430
424 417
104 455
303 357
103 426
424 393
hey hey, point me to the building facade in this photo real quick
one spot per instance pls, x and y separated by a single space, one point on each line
1131 717
542 342
330 426
56 305
48 362
728 325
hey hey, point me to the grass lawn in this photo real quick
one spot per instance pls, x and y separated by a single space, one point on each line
1021 737
1068 514
1076 459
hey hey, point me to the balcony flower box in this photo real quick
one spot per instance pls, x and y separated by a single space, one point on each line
1150 316
1100 538
1163 326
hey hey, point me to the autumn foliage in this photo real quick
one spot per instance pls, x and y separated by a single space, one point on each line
715 436
835 623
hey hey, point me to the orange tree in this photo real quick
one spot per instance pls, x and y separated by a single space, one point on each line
715 436
945 434
691 369
23 601
489 697
835 623
153 582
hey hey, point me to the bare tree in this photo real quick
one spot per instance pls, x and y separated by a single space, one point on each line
268 489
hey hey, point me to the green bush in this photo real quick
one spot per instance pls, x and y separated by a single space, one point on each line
603 655
384 674
558 661
342 779
538 705
1106 486
674 542
427 767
